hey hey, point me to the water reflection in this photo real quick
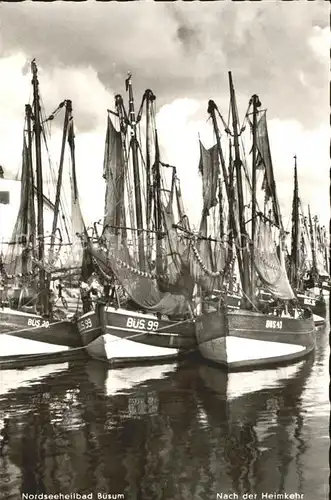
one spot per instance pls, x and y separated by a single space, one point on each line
167 431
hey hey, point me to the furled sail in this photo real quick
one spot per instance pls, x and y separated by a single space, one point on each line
210 171
209 255
270 267
69 256
264 160
307 256
114 174
321 263
77 223
19 256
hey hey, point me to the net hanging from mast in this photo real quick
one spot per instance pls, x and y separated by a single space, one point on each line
147 282
269 264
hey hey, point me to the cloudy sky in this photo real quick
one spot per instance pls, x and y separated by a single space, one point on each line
183 52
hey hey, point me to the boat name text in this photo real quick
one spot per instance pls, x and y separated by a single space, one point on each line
277 325
84 324
37 323
142 324
309 302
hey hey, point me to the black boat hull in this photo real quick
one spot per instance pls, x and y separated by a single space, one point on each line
316 303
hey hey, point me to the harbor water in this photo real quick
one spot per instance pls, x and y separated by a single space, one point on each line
166 432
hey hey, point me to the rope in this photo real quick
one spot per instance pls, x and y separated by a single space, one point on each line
249 300
134 270
189 320
53 115
212 274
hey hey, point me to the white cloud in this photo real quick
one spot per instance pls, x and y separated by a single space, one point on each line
320 41
289 138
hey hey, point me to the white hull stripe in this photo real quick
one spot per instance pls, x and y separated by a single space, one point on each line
118 348
15 346
238 349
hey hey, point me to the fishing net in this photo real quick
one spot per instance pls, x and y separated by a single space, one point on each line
19 257
270 267
140 285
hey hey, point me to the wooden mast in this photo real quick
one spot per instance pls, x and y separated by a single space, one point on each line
147 96
59 178
40 198
29 189
229 224
295 230
313 251
255 102
71 141
29 128
220 202
237 163
150 98
123 121
157 205
136 174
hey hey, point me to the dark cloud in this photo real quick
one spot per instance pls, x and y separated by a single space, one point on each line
183 49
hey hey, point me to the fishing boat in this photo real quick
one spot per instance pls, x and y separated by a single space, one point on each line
30 322
251 337
143 312
302 255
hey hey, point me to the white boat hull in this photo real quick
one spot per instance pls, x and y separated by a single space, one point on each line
117 350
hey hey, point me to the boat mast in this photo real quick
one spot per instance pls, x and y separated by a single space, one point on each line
237 163
60 175
136 173
255 102
295 230
157 205
39 178
29 189
231 189
149 99
220 202
312 243
71 142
